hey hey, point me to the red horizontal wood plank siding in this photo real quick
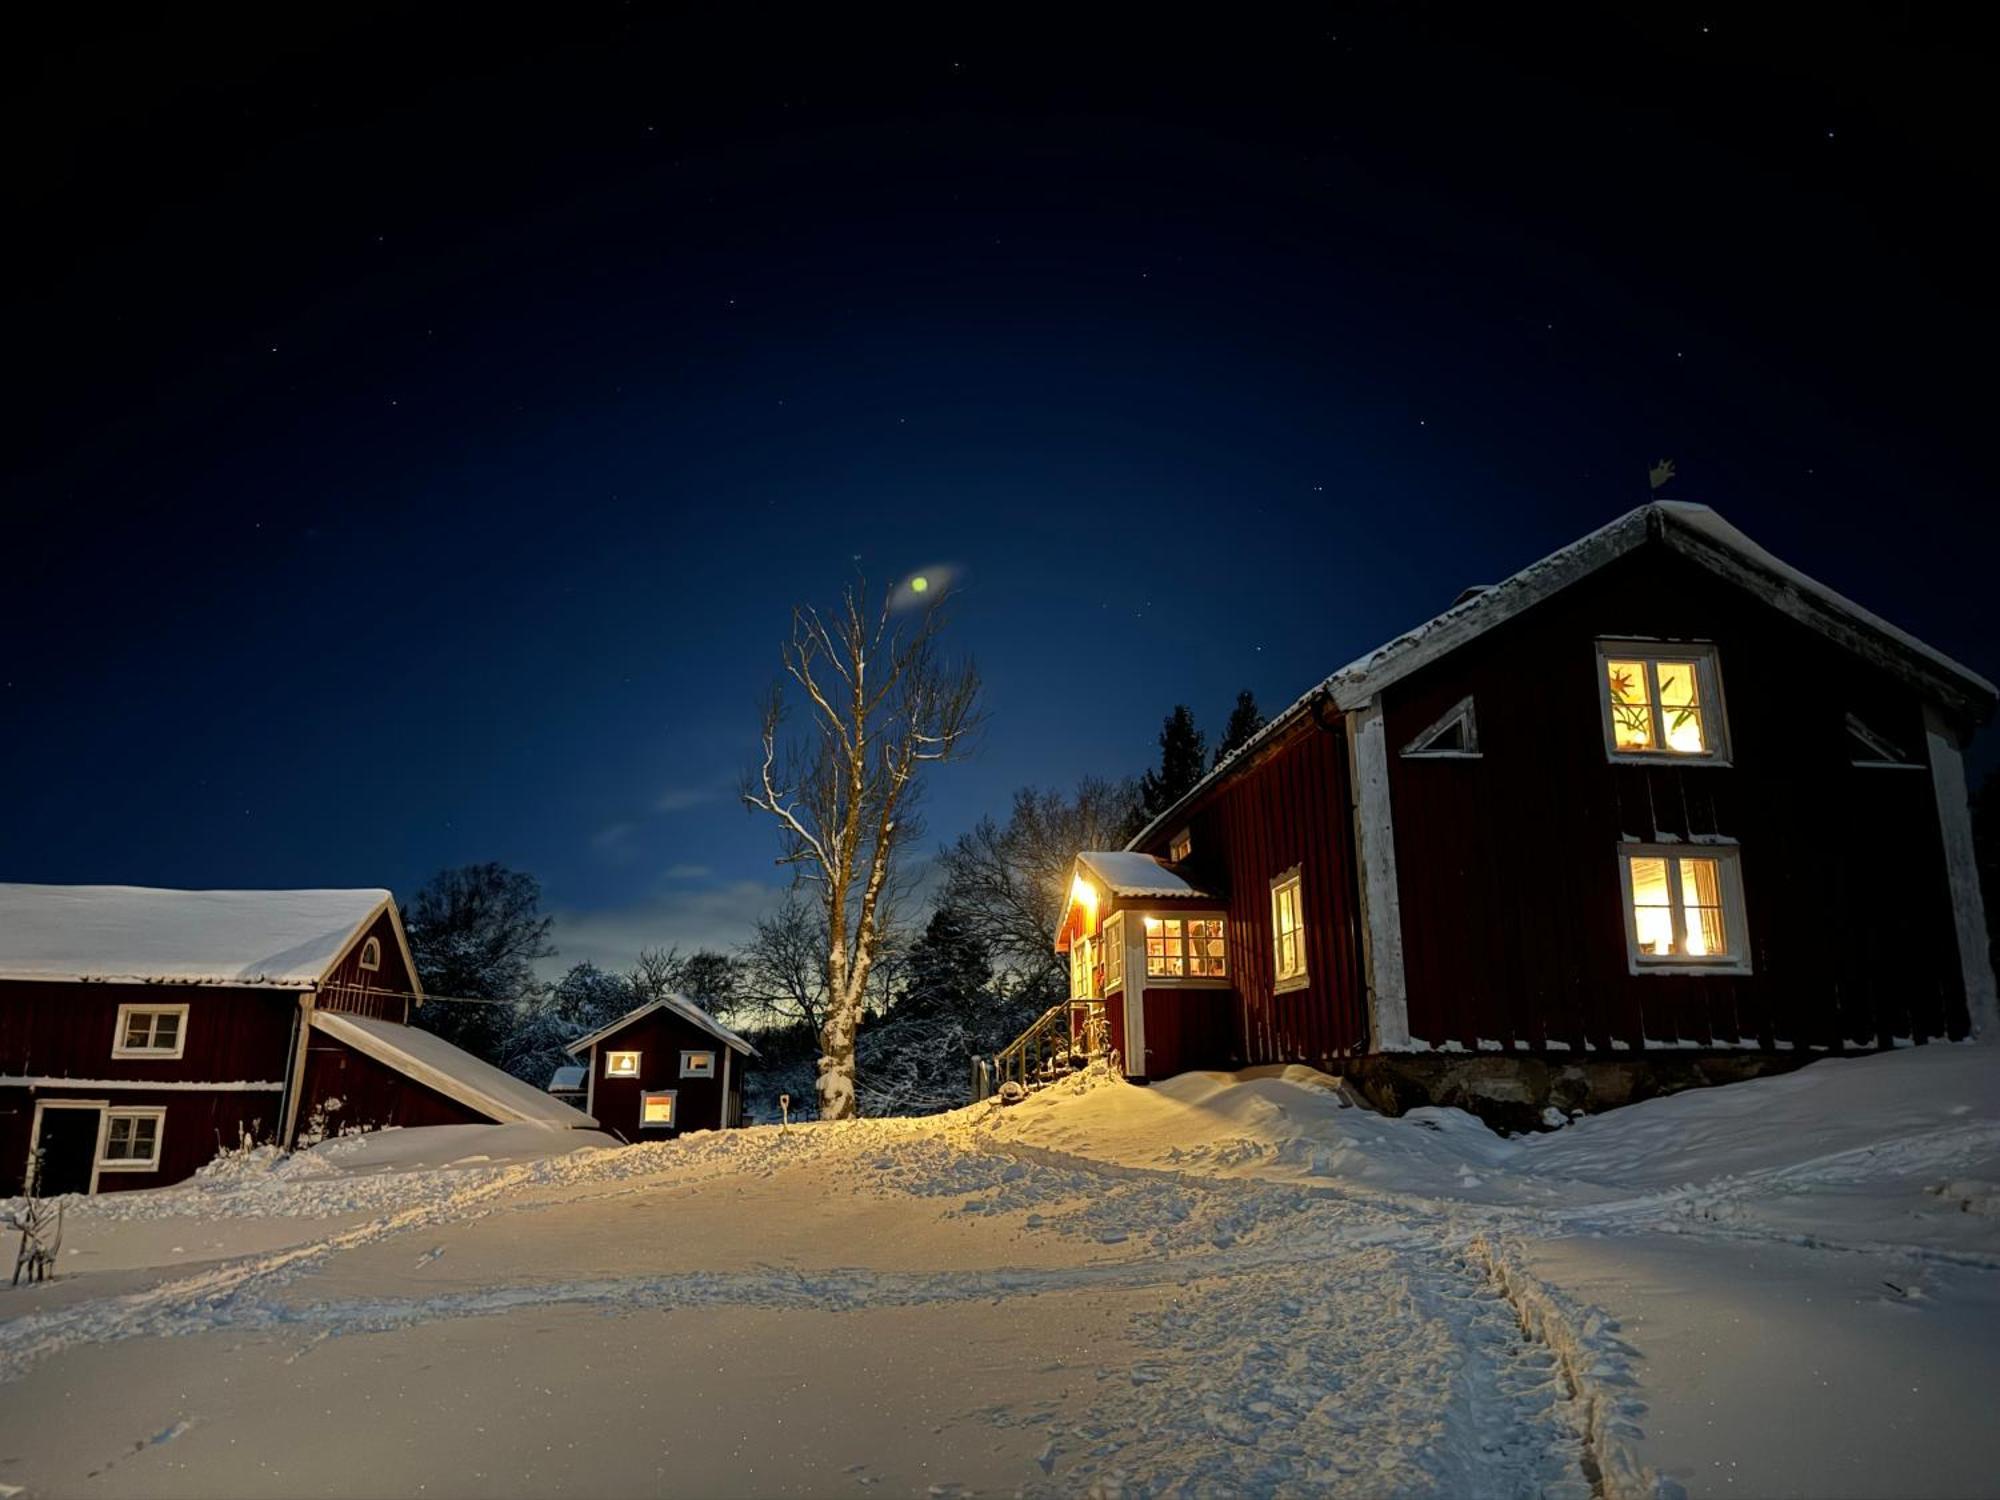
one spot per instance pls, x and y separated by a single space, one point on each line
1512 914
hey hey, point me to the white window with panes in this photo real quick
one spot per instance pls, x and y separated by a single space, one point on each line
1684 908
132 1140
1114 953
1186 948
157 1031
1662 701
1288 931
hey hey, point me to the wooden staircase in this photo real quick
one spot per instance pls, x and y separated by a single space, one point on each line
1064 1039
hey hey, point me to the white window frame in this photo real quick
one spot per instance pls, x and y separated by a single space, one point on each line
154 1054
1464 712
105 1162
689 1068
611 1068
1735 925
1714 709
1297 979
1188 981
371 955
673 1109
1113 938
1180 846
1082 961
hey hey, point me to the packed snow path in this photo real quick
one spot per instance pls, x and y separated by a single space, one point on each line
1213 1287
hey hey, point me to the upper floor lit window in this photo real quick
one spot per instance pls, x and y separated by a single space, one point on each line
1181 847
1114 953
1288 931
621 1065
1662 701
1186 948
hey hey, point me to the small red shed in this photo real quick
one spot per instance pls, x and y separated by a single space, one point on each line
663 1070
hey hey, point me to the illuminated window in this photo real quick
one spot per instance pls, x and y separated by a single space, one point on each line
1684 907
1082 958
1661 701
656 1111
1185 948
150 1031
1288 931
697 1065
132 1140
1114 953
371 955
621 1065
1181 847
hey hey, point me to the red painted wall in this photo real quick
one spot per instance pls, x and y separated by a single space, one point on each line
1512 914
350 1090
386 993
1291 807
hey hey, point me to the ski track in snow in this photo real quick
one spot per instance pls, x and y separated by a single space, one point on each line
1318 1334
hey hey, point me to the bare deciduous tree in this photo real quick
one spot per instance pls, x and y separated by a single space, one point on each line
880 703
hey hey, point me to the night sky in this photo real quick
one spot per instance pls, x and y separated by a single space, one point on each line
421 427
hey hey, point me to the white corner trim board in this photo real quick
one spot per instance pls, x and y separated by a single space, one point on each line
1961 866
1381 910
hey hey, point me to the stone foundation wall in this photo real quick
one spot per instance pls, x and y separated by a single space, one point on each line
1510 1093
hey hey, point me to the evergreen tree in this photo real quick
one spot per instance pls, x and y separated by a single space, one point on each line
475 933
1183 761
949 968
1244 721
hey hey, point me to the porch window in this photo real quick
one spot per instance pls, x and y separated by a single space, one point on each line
1082 956
1186 948
132 1140
1114 953
1661 702
1684 908
697 1065
1288 931
157 1031
621 1065
656 1111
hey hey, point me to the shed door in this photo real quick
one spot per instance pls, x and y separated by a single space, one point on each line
67 1148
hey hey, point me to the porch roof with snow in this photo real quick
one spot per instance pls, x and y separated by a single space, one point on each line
686 1009
1121 875
429 1059
139 935
1698 534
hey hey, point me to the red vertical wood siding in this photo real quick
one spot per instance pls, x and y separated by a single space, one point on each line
385 993
1512 913
1290 807
350 1090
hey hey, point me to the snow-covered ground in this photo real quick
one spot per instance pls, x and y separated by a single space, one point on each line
1216 1285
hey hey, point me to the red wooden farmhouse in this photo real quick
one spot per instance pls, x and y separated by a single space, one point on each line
662 1070
1658 793
143 1031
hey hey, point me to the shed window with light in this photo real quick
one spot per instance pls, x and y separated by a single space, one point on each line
656 1111
621 1065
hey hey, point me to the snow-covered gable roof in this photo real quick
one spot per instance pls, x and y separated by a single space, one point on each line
132 934
686 1009
1696 532
434 1062
1122 873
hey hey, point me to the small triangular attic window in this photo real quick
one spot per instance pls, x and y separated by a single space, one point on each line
1455 736
1868 746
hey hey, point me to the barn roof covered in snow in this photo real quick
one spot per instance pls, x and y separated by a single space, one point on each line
133 934
1122 873
686 1009
434 1062
1694 531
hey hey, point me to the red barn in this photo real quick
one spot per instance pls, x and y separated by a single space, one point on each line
663 1070
1658 793
143 1031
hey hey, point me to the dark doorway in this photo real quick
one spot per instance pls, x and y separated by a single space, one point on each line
66 1150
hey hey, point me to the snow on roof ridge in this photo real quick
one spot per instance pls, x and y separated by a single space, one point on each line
1614 538
437 1064
682 1007
150 934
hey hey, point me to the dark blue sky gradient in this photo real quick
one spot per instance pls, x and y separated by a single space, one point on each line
426 431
